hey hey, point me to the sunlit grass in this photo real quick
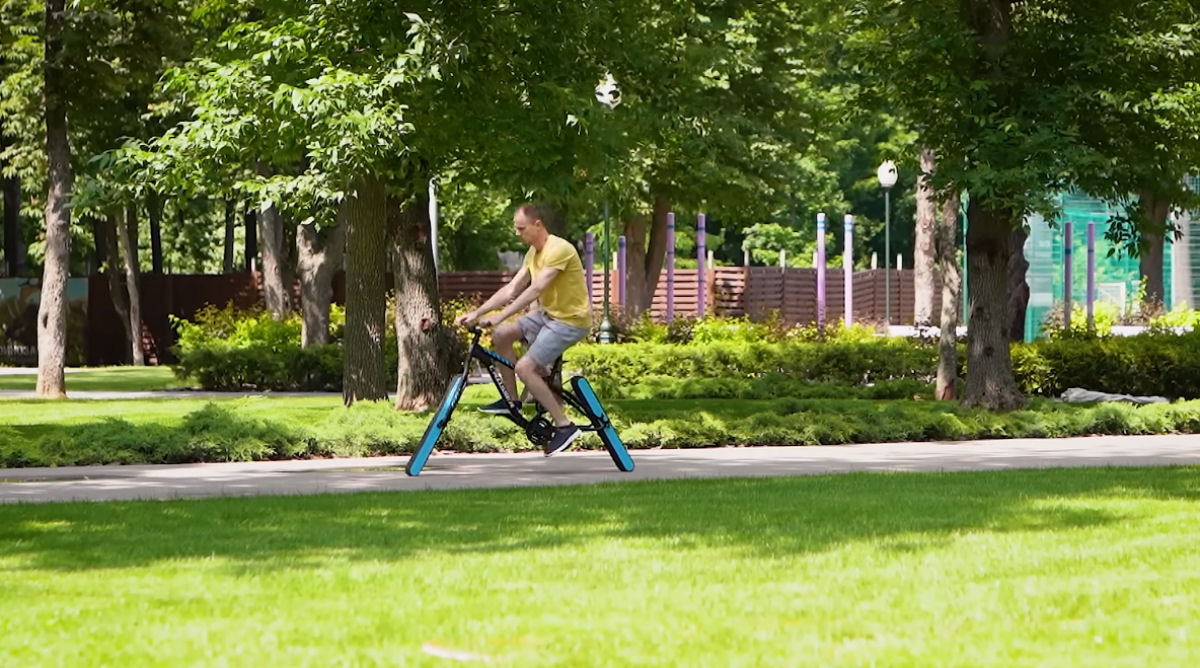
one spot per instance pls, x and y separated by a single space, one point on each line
113 379
1083 567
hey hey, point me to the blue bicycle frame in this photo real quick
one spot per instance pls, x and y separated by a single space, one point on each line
579 395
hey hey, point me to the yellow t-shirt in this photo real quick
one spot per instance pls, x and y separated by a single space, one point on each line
566 298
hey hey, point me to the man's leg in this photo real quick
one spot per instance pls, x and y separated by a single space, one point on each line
531 372
502 342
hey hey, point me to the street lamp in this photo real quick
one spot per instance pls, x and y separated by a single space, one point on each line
887 178
608 94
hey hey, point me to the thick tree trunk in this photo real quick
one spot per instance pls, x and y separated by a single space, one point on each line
923 242
14 242
990 381
276 292
946 246
317 261
366 308
1154 210
127 236
154 204
52 309
112 261
1018 287
230 227
644 261
633 302
250 221
423 341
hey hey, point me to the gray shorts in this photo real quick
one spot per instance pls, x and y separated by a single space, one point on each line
548 338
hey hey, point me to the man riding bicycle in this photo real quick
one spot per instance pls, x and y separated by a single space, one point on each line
552 277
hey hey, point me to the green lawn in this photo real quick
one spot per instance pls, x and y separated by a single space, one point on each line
1090 567
113 378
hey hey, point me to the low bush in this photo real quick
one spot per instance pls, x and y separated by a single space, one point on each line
250 429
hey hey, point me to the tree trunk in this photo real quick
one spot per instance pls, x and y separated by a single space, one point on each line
275 291
250 220
230 225
1154 210
155 205
946 247
111 258
127 236
633 302
317 261
14 242
423 341
990 381
644 262
1018 287
366 308
923 242
52 309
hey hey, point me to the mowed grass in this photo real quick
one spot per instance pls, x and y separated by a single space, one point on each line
1085 567
113 379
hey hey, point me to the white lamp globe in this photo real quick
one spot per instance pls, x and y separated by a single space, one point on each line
887 174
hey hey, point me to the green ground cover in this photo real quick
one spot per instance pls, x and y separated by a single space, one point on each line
1082 567
113 379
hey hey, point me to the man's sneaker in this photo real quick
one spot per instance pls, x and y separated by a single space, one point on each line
500 407
563 437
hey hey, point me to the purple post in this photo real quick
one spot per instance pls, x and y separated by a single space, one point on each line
589 260
1068 273
821 273
701 254
621 271
848 267
1091 275
670 266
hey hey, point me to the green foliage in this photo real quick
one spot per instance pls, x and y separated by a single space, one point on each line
849 363
223 349
258 428
1154 363
1104 316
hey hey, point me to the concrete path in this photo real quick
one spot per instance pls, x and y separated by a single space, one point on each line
459 471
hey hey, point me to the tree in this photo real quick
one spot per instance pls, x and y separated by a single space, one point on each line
925 256
999 88
52 310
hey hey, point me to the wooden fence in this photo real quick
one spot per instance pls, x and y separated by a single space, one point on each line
755 292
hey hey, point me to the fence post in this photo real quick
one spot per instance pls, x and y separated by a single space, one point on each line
621 285
820 273
1068 271
1091 276
848 270
701 258
589 261
670 266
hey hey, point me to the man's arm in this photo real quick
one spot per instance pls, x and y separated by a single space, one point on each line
504 295
530 294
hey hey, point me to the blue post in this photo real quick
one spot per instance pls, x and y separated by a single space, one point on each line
1068 273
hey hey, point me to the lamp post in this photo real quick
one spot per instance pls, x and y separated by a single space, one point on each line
887 178
608 94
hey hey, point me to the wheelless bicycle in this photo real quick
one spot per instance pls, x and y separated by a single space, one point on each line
540 428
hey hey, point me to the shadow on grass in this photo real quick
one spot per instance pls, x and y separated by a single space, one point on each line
765 517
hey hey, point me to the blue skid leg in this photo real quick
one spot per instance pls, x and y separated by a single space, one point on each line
436 426
608 435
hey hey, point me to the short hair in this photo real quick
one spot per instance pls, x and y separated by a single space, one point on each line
534 211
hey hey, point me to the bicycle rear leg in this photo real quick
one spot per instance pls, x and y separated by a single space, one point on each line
590 403
436 426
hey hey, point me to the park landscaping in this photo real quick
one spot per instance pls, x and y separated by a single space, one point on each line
1020 568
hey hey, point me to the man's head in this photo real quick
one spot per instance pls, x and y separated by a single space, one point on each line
530 225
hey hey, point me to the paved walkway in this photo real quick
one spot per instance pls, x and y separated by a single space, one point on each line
459 471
